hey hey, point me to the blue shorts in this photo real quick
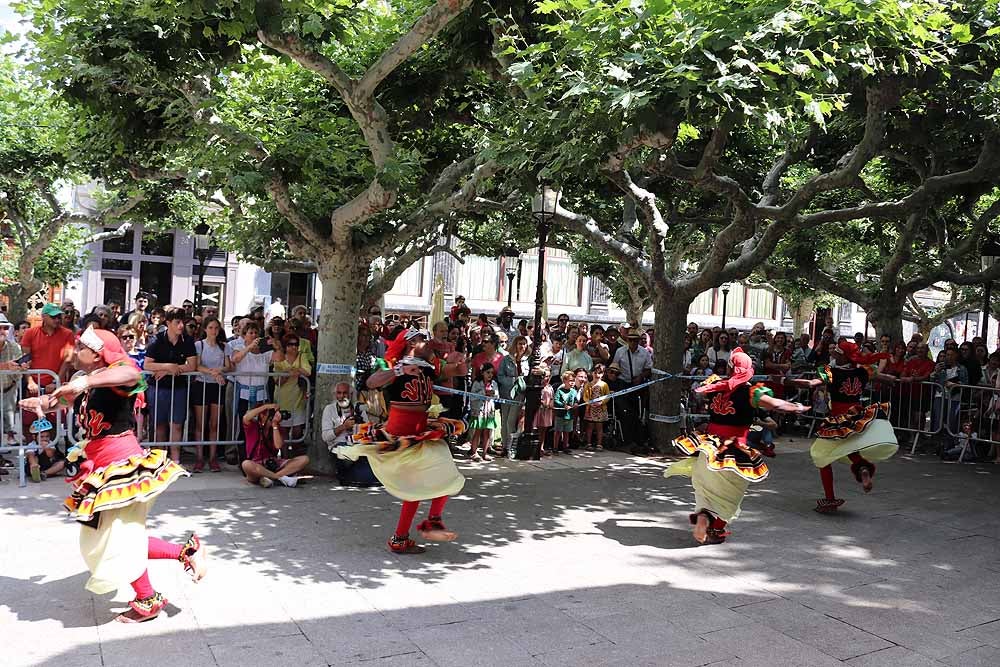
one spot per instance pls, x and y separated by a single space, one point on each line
167 405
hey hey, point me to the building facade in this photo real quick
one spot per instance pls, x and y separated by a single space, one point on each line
165 265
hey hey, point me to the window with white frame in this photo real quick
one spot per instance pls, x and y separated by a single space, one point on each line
703 304
562 281
478 279
760 303
411 282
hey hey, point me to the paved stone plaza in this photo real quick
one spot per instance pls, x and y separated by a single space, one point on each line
583 560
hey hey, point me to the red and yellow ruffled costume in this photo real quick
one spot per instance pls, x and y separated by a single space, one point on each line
852 427
721 464
117 481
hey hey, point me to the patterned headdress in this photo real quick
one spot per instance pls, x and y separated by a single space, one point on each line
855 355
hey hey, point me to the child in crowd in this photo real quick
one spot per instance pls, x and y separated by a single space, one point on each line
595 414
963 449
579 382
482 413
545 413
564 401
701 370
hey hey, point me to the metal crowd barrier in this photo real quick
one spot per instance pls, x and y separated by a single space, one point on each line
912 407
12 417
978 406
229 425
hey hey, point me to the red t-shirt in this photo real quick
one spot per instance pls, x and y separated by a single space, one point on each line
482 358
48 351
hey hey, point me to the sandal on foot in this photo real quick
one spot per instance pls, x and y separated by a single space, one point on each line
143 610
404 545
434 531
487 458
828 505
476 458
195 558
214 466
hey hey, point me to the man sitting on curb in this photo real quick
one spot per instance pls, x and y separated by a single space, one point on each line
264 464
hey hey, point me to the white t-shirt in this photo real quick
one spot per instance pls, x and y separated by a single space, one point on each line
251 363
276 309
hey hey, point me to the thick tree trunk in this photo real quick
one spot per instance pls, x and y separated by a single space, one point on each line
887 317
17 297
801 314
344 277
668 354
634 313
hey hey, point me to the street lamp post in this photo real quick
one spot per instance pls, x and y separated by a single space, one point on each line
202 248
543 207
510 253
725 298
989 253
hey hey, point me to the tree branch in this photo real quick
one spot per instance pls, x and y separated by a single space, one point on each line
278 189
424 30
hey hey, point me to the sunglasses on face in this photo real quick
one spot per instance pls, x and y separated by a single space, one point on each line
128 337
291 344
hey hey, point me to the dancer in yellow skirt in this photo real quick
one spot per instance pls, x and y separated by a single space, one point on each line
408 453
723 464
118 479
853 433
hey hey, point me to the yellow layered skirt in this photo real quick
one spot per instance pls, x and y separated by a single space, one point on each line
861 430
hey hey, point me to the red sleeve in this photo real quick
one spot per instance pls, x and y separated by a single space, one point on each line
252 432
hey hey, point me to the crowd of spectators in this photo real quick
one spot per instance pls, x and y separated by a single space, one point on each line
251 383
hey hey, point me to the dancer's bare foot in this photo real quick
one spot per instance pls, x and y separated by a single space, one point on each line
195 558
434 531
701 529
866 480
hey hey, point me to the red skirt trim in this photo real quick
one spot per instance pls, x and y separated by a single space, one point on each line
852 422
725 455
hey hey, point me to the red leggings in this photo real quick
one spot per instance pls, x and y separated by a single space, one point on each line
409 511
826 475
156 550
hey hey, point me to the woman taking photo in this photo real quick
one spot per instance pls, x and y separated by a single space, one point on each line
290 393
208 391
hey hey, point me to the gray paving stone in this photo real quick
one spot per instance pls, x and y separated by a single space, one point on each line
759 646
984 656
987 633
894 656
470 643
267 652
586 562
827 634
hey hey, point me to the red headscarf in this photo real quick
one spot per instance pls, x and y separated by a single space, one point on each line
741 370
854 354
